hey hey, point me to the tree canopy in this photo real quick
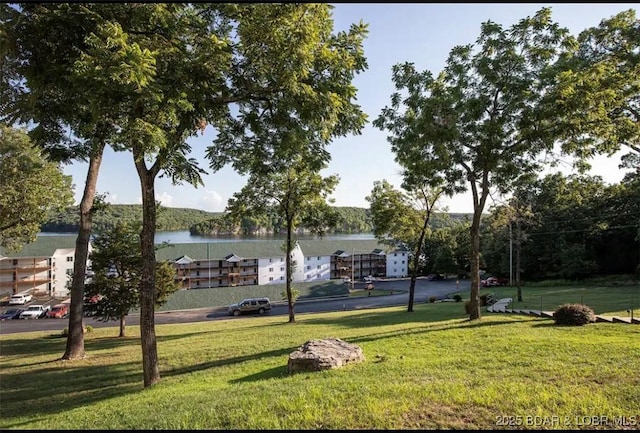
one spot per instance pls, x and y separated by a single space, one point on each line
32 189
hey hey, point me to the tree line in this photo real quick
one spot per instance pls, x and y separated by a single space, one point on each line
109 215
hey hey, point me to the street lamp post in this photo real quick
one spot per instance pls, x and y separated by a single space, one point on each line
353 261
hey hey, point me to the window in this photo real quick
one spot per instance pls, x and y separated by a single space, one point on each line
308 258
403 262
318 266
69 272
395 262
318 257
197 283
308 268
282 278
270 260
197 273
395 254
270 278
70 258
270 269
197 263
318 276
281 268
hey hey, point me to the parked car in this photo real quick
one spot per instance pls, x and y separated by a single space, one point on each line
369 279
35 312
250 305
493 282
20 299
346 280
12 313
59 311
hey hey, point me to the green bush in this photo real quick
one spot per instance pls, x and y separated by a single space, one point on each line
458 298
433 299
86 329
573 315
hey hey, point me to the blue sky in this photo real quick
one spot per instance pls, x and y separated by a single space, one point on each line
422 33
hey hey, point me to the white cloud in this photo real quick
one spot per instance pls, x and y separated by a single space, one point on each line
111 198
213 202
165 199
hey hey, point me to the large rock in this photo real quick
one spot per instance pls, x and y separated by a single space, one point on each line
326 354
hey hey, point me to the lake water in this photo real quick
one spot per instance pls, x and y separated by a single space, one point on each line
184 237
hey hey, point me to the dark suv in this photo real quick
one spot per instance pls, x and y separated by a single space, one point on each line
250 305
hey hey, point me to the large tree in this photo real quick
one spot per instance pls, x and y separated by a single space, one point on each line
32 188
43 88
161 72
477 124
299 196
597 96
403 218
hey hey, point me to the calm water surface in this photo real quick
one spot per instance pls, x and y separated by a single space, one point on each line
184 237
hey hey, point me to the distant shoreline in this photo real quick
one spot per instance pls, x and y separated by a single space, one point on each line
184 236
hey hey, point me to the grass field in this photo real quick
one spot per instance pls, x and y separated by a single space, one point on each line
430 369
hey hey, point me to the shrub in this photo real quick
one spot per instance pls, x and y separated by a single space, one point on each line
573 315
86 329
458 298
432 299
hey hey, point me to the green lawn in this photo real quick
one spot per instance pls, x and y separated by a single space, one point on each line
430 369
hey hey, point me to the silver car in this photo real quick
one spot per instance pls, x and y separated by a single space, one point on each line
250 305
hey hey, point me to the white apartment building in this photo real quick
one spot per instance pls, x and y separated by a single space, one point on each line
44 267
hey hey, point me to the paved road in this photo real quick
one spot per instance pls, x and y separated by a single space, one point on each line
424 290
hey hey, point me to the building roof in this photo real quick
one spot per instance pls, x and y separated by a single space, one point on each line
321 247
269 248
44 246
221 250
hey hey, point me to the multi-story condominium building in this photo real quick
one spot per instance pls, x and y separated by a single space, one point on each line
43 267
222 264
46 266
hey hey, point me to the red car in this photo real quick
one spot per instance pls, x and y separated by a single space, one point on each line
493 281
59 311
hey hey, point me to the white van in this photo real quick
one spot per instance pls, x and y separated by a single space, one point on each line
20 299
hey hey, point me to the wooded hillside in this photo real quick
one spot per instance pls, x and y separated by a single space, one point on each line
200 222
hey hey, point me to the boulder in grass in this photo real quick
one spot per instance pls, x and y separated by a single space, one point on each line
326 354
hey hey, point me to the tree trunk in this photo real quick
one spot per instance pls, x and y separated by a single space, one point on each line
518 238
292 317
122 325
416 262
151 372
478 206
75 338
474 298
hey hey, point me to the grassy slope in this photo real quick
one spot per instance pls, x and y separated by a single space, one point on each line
428 369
